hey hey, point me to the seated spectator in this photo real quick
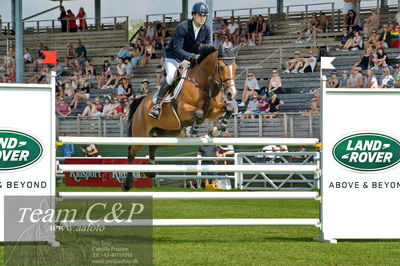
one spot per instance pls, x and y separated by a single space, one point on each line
90 151
394 33
233 31
250 88
396 77
251 31
6 78
125 52
274 102
108 107
128 69
40 56
385 38
144 88
263 105
124 89
386 79
138 53
82 19
161 35
81 53
118 109
104 76
371 23
309 30
42 77
227 44
149 54
352 20
90 71
293 64
62 108
343 39
69 91
308 63
261 29
370 80
322 26
366 60
333 82
216 42
27 57
90 111
126 104
71 21
355 79
251 107
78 75
343 80
380 59
71 57
82 93
275 83
217 25
373 40
150 31
120 73
99 106
354 43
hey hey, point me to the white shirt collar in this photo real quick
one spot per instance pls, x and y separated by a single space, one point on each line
196 30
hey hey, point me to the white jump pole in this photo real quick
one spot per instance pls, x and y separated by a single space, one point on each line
188 168
193 195
188 141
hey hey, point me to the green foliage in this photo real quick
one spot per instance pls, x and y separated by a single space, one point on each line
134 26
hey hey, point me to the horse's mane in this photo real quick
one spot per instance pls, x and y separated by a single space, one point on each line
132 108
204 51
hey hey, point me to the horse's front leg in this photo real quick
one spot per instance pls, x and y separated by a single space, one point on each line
190 112
225 118
199 115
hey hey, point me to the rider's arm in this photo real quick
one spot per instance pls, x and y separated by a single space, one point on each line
179 39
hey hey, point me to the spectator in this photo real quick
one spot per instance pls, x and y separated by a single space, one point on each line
371 23
333 82
217 25
386 37
309 30
343 39
274 102
293 64
90 111
81 53
124 89
138 53
105 75
224 28
108 107
118 109
394 33
40 56
324 23
251 31
125 52
261 29
386 79
69 91
366 60
67 149
373 40
78 75
82 19
207 151
343 80
70 59
251 107
83 93
149 48
227 44
308 63
62 109
275 83
62 19
126 103
216 42
90 71
90 151
355 43
161 35
42 78
233 30
355 79
27 57
128 69
353 21
99 106
250 88
263 105
150 31
144 88
9 59
71 21
120 73
370 80
396 77
381 59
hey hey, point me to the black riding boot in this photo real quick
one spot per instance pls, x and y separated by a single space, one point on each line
155 111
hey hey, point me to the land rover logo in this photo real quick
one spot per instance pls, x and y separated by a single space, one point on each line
367 152
18 150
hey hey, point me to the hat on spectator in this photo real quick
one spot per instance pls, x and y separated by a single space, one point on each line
271 94
145 81
296 52
263 93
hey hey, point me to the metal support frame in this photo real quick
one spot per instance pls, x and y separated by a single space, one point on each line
19 41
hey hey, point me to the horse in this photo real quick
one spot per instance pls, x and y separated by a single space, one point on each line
208 88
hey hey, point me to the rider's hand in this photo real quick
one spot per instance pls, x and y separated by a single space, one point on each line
193 58
185 64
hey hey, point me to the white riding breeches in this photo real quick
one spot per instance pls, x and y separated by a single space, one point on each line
170 66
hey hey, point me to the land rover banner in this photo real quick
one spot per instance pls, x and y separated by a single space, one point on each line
360 167
27 143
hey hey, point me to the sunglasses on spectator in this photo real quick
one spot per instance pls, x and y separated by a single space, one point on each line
274 72
249 75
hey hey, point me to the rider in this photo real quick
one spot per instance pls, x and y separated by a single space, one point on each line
184 46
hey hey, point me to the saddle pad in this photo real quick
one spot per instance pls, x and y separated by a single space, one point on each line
168 98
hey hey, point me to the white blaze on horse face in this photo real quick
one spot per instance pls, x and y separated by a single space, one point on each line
232 82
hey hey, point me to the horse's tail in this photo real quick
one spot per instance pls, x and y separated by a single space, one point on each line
132 108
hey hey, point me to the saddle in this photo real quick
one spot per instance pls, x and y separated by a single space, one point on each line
177 86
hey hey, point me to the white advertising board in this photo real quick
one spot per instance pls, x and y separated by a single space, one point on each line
360 168
27 144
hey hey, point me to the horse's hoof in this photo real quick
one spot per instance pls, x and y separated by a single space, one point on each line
215 132
127 184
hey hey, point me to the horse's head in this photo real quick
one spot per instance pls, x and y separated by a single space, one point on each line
225 72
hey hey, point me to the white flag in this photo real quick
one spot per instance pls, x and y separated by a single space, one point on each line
326 62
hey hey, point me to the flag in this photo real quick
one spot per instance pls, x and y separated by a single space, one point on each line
50 57
326 62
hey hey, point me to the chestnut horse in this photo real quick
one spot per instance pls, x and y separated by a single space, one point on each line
207 89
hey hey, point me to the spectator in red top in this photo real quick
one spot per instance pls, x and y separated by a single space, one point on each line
82 19
71 21
62 109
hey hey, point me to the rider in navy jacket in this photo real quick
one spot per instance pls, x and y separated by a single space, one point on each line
184 46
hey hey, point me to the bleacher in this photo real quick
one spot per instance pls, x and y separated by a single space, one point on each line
260 60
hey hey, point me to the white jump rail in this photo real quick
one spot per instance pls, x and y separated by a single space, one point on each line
188 168
199 222
193 195
187 141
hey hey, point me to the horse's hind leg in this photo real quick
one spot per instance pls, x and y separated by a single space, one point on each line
133 150
152 154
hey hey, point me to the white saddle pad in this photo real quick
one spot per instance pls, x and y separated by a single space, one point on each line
176 91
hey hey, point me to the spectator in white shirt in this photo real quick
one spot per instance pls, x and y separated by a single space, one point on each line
233 30
227 44
251 88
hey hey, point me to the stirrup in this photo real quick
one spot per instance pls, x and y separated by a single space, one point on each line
155 111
